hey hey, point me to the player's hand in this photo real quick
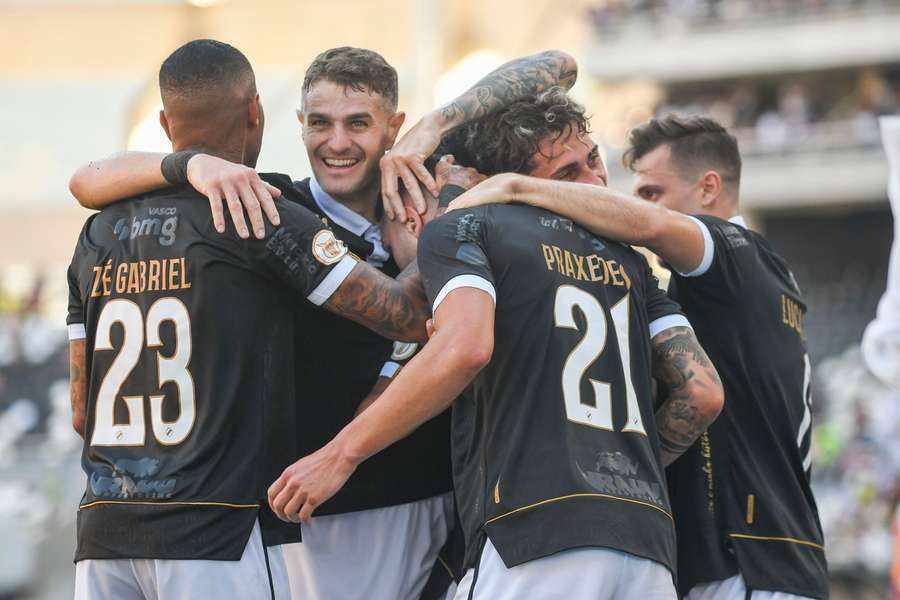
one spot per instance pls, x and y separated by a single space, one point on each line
448 172
238 186
308 483
499 189
406 162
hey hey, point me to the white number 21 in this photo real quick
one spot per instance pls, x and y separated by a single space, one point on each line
599 412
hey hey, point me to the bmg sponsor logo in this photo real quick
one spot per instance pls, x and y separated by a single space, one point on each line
163 229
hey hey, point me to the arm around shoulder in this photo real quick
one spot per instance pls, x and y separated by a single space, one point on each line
103 182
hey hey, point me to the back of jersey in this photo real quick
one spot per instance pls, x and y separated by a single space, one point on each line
555 444
742 494
189 349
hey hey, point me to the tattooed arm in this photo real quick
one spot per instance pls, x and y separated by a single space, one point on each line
511 81
506 84
691 386
77 384
394 308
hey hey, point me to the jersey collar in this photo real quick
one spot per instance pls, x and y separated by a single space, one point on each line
737 220
336 211
351 221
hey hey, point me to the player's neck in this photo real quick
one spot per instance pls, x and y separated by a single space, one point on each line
222 144
722 208
364 202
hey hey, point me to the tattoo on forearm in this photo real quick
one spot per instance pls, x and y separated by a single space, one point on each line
517 79
77 384
396 309
682 367
410 275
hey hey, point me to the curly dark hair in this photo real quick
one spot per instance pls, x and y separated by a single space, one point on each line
697 144
506 141
356 68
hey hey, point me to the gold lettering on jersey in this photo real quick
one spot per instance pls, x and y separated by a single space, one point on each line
140 276
707 468
792 314
585 268
121 278
153 276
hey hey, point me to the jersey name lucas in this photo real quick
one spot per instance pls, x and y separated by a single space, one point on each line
585 268
140 276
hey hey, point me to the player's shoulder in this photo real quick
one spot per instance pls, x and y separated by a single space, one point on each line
295 191
733 232
466 221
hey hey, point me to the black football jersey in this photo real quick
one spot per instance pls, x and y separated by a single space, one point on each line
190 350
741 495
554 444
338 362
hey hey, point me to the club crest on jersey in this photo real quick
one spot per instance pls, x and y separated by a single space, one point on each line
404 350
328 249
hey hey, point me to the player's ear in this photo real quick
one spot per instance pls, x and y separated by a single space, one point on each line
710 188
164 122
394 125
254 112
300 116
414 222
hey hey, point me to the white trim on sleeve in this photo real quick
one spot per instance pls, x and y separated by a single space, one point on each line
77 332
668 322
464 281
389 369
332 281
709 250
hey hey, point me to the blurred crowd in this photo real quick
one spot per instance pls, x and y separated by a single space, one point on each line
815 112
39 479
856 465
611 16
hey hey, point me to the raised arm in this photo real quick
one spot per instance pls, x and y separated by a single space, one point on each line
691 388
678 239
510 82
427 385
104 182
77 384
394 308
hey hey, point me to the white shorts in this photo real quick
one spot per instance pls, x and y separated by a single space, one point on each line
156 579
733 588
578 574
379 554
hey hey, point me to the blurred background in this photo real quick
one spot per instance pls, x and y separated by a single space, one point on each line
801 83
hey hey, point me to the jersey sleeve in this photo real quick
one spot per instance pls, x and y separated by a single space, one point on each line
75 317
78 288
303 254
726 245
452 255
662 312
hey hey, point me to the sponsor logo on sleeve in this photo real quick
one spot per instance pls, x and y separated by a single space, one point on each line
328 249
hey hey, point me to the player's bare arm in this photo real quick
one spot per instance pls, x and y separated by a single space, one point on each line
394 308
675 237
462 345
373 394
103 182
692 389
511 81
77 384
